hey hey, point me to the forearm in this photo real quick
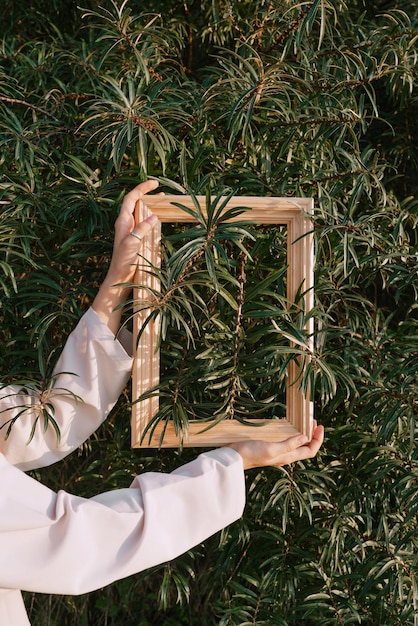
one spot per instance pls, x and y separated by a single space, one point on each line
108 303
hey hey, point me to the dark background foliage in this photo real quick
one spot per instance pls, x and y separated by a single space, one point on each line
279 98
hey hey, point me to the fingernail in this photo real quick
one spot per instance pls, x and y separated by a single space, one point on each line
152 219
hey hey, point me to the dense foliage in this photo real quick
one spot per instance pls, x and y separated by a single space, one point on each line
257 97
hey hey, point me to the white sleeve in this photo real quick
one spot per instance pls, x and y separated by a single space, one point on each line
90 374
60 543
12 608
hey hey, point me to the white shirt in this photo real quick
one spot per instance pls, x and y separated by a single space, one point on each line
61 543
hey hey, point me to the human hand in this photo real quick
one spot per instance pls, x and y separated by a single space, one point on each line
125 247
122 267
256 453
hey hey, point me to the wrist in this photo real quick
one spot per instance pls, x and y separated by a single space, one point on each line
108 301
240 448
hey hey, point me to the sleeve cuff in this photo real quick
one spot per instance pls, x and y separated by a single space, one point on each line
123 340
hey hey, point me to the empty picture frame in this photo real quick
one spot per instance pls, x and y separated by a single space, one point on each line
294 213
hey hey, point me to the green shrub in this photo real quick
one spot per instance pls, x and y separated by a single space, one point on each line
259 98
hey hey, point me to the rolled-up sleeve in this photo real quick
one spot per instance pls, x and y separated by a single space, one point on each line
88 378
60 543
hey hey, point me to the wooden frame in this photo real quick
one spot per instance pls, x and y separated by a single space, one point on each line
291 212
